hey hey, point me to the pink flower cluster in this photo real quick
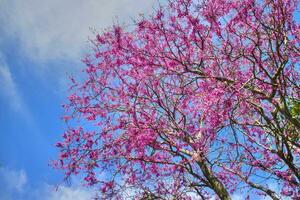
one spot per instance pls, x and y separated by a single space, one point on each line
192 102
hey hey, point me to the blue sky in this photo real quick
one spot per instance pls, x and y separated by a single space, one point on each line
41 43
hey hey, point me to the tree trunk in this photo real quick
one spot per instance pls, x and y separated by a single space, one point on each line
215 183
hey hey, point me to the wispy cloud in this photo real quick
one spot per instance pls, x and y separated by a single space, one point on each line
15 185
14 180
8 87
10 92
12 183
53 34
237 197
58 29
67 193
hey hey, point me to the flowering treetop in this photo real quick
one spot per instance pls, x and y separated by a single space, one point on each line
202 99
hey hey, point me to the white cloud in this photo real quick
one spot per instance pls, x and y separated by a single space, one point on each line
53 34
58 29
15 181
49 192
11 94
8 87
14 185
237 197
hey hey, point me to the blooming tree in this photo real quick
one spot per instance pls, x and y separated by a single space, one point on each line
200 100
